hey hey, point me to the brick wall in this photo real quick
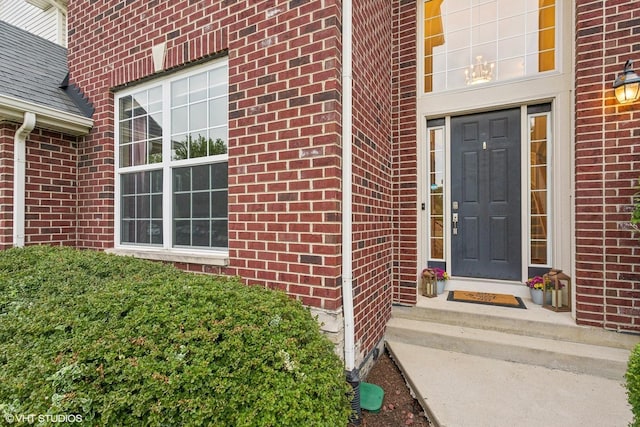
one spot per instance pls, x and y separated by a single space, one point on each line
404 156
607 156
284 148
372 171
284 125
50 189
7 131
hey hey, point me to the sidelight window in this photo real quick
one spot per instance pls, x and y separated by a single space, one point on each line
436 144
539 197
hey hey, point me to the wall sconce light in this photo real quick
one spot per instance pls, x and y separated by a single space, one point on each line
627 85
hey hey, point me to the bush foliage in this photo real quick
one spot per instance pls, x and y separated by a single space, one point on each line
633 385
121 341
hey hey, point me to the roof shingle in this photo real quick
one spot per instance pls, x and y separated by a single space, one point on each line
32 69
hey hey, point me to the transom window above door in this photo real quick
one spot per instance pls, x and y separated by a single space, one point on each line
472 42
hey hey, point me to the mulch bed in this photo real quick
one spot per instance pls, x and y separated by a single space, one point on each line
399 408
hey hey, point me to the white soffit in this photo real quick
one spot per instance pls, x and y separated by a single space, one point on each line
46 4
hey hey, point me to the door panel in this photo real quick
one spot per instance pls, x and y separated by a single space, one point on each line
485 173
470 178
499 236
470 225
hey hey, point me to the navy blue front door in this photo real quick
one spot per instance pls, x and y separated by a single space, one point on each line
485 195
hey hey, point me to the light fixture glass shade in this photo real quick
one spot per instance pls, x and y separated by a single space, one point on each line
627 92
627 85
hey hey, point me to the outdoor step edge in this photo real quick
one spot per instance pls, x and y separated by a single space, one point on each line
572 333
600 361
568 347
415 390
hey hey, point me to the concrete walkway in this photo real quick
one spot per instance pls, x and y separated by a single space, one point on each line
460 390
484 366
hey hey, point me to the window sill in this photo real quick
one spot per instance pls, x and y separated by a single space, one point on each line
216 259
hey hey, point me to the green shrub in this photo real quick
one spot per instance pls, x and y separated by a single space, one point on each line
633 385
121 341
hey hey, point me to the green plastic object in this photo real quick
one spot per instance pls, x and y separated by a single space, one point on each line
371 396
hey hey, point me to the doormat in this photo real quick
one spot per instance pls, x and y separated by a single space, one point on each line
502 300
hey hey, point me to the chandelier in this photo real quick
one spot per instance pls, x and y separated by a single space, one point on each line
480 72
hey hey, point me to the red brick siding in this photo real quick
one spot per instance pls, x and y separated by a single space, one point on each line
404 157
7 131
284 156
284 125
372 171
607 156
50 189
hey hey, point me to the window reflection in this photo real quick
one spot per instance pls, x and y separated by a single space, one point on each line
200 206
514 38
538 190
436 193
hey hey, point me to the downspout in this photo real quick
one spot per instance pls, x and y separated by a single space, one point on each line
347 219
19 176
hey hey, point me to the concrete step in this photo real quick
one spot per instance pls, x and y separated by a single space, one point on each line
463 390
535 322
503 343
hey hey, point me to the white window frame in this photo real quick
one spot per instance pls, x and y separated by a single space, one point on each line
561 11
549 189
445 240
167 251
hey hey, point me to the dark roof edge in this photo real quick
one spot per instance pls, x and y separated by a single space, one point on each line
78 98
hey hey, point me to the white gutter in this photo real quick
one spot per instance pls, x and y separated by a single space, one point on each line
347 185
13 109
19 176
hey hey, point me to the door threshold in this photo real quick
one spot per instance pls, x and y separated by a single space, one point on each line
518 289
533 312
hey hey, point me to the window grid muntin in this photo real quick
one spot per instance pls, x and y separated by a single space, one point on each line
195 120
464 17
140 135
183 193
146 229
436 194
539 192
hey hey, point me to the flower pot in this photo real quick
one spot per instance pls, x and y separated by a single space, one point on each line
538 294
440 286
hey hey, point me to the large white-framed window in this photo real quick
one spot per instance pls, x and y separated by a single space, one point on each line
171 163
469 42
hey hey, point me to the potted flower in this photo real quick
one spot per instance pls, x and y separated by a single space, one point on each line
537 285
441 276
